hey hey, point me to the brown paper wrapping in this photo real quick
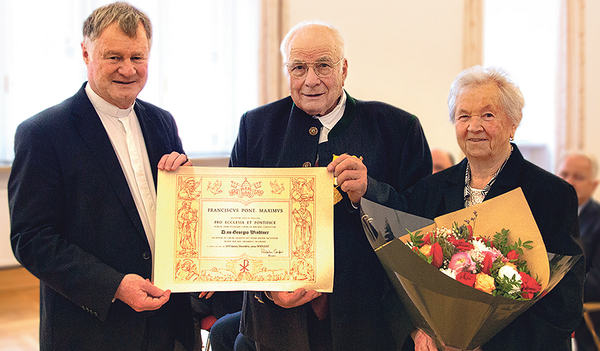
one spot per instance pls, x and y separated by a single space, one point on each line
455 314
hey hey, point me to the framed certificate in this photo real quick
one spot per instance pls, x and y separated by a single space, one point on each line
225 229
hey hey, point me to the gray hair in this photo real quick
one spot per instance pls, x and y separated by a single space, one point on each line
511 98
127 16
588 156
304 27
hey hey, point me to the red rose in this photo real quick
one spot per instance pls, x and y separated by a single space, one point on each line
466 278
438 255
487 264
427 238
470 231
529 286
512 255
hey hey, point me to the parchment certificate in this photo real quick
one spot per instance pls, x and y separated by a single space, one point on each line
224 229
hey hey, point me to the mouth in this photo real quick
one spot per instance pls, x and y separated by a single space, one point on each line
312 96
123 83
476 139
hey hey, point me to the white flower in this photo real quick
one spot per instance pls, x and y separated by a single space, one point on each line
477 252
511 273
448 272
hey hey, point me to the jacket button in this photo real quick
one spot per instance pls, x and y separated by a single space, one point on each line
146 255
313 131
306 164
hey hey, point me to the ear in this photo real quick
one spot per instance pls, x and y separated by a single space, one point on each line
344 71
86 52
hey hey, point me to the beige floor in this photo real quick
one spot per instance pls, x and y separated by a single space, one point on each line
19 310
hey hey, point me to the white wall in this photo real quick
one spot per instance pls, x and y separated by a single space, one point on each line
592 106
406 53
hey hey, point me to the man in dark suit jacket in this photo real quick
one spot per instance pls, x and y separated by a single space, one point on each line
82 200
581 170
383 150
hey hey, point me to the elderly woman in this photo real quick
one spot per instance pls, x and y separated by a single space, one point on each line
485 107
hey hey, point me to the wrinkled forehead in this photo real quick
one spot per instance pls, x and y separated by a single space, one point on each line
311 45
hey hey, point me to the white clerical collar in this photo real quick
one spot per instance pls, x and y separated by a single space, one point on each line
104 106
329 120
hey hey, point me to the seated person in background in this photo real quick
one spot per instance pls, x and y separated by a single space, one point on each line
225 335
210 307
581 171
442 159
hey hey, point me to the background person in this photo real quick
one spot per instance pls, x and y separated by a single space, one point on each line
441 159
317 121
581 171
82 196
486 109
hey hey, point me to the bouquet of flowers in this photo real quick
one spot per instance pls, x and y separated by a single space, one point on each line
491 265
439 285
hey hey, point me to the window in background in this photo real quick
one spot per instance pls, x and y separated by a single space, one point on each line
203 64
522 39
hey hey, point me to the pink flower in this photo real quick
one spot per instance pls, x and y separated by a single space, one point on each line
461 262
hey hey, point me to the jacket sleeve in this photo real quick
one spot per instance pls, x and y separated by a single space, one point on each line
415 163
37 200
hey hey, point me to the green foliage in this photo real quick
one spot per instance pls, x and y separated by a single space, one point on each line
461 232
504 285
416 238
500 241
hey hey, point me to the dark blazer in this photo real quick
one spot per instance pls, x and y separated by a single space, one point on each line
396 154
589 229
75 226
548 324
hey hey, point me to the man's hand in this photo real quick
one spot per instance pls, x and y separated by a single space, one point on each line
351 176
140 294
293 299
172 161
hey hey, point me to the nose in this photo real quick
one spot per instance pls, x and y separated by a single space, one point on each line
127 68
311 77
474 124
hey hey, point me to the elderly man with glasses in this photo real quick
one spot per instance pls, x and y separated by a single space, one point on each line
383 152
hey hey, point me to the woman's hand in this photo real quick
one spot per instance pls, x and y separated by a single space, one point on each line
423 342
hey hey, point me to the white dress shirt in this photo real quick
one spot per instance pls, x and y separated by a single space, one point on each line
126 136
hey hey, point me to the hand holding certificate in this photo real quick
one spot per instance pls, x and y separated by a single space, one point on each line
224 229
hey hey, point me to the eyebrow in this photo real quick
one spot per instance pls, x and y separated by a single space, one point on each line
321 59
484 108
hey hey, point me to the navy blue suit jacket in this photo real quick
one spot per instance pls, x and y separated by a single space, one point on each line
549 323
75 226
395 152
589 229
